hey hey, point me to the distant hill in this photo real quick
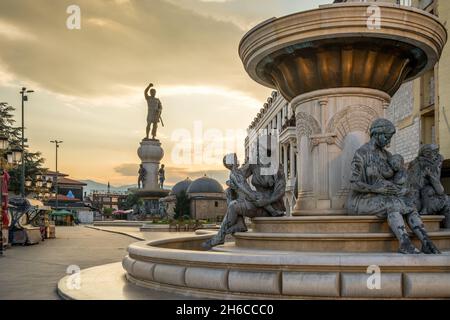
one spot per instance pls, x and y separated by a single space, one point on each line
97 186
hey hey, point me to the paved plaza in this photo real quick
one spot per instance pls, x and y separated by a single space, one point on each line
32 272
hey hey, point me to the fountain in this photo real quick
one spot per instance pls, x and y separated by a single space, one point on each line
338 75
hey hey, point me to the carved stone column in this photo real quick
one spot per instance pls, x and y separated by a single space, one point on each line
285 162
331 125
291 159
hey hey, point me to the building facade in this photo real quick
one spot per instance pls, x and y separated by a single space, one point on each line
112 200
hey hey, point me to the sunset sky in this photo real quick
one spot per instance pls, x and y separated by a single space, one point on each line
89 83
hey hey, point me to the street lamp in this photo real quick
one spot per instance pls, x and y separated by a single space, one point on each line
23 93
57 143
49 183
39 182
4 142
15 155
28 182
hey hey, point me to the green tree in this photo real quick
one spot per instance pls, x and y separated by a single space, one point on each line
182 206
7 124
33 166
33 160
131 200
107 212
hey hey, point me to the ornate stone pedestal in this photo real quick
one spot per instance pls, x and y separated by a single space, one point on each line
150 152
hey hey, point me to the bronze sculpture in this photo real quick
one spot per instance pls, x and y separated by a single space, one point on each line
161 176
154 111
266 200
142 173
424 177
374 191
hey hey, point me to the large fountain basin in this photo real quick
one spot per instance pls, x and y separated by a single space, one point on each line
333 47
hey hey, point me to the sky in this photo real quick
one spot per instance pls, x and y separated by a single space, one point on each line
89 82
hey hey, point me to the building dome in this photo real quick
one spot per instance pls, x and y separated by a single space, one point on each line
180 187
205 185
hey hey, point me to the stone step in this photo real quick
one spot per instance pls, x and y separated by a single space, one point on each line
319 212
332 242
333 224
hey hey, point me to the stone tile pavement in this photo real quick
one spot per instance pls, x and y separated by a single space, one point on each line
32 272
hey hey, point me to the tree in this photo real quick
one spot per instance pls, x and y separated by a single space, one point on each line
33 166
131 200
182 205
107 212
7 124
33 160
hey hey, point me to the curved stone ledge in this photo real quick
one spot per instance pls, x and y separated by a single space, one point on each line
230 272
333 241
336 224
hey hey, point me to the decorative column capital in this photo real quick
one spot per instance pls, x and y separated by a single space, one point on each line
323 102
323 138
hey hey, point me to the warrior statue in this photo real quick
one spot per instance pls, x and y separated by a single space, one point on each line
141 176
378 188
161 176
425 180
243 201
154 111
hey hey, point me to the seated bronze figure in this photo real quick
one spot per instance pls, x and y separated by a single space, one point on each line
375 189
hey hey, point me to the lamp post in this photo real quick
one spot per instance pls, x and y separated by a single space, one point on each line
23 93
57 143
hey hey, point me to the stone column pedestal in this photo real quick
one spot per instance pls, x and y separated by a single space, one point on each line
151 153
331 125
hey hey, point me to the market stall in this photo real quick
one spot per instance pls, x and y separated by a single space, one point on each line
29 221
62 217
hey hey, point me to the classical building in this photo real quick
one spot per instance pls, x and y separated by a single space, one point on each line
206 198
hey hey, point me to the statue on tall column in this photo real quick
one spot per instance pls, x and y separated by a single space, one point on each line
141 178
154 111
378 188
425 179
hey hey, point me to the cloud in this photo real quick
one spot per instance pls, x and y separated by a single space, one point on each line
180 173
127 169
125 43
89 83
245 14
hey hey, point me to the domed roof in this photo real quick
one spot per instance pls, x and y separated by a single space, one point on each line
180 186
205 185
